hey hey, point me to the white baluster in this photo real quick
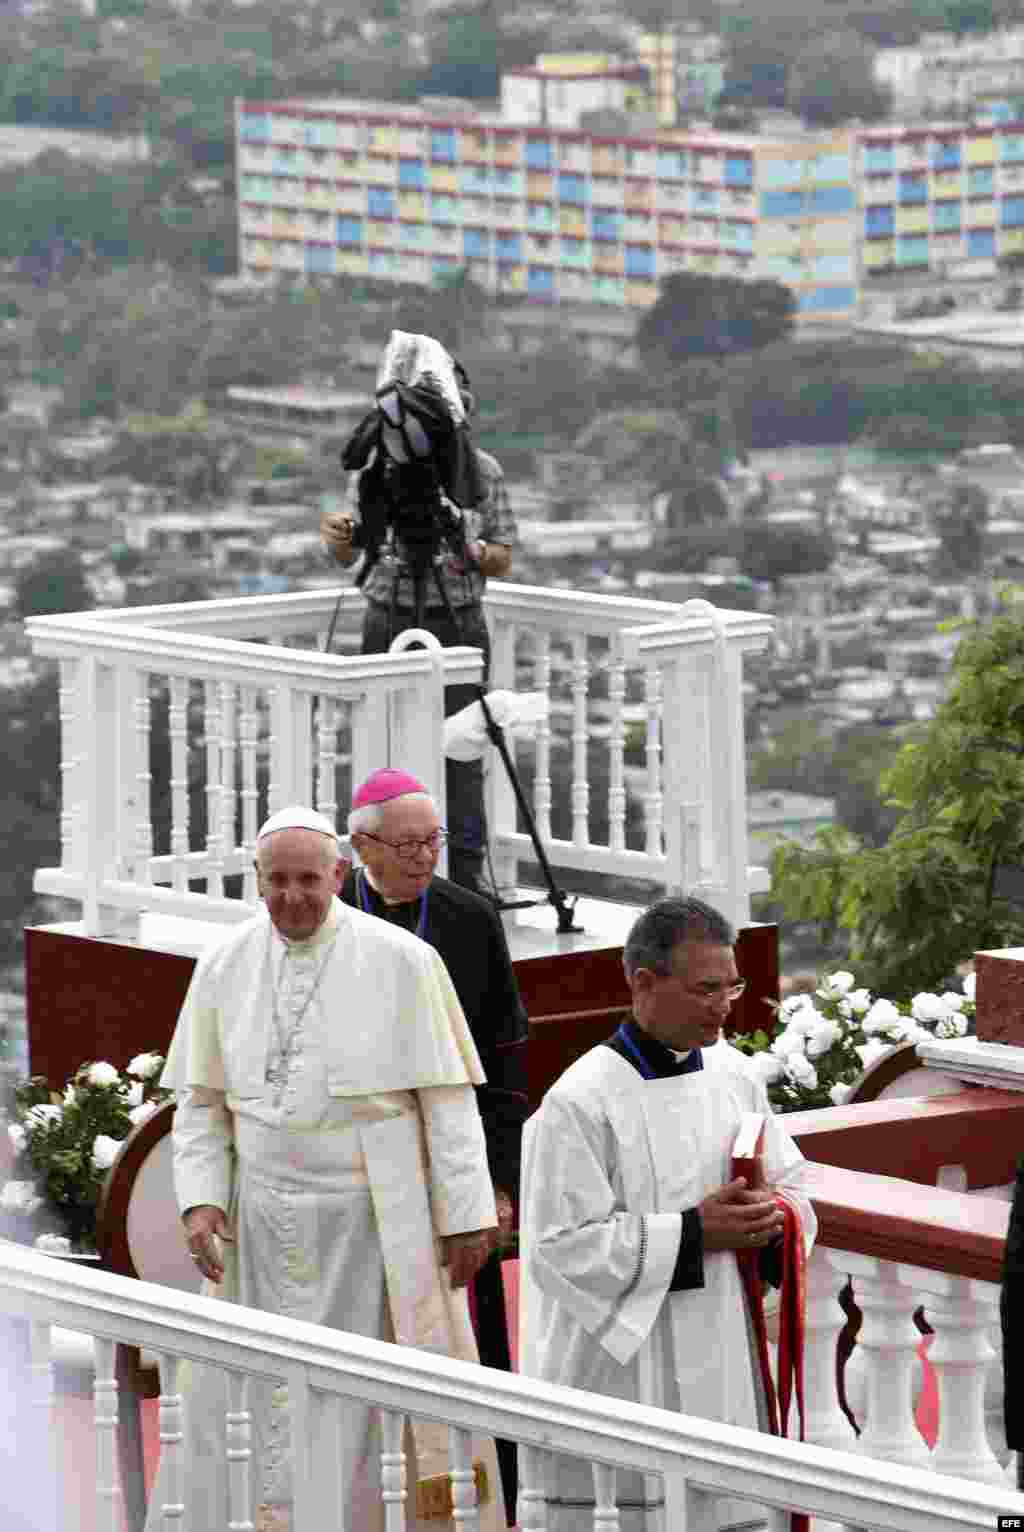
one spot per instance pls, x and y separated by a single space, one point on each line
392 1470
70 808
995 1425
108 1489
825 1424
465 1504
172 1439
960 1312
238 1423
606 1507
326 756
888 1340
230 768
580 736
617 756
542 776
248 726
531 1499
216 841
40 1434
178 732
654 801
143 781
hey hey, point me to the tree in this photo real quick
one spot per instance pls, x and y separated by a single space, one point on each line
961 527
700 316
463 48
769 552
832 80
927 899
53 582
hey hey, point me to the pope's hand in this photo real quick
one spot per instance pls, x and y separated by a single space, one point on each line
464 1254
204 1226
734 1218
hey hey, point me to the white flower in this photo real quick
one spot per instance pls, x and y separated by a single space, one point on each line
822 1038
833 985
801 1071
143 1110
969 987
869 1052
929 1009
768 1066
789 1042
840 1093
806 1022
145 1065
53 1244
951 1026
131 1094
20 1197
954 1001
102 1073
795 1003
70 1095
882 1014
105 1151
17 1135
859 1000
41 1115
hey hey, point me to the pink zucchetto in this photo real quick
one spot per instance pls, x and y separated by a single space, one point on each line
295 817
383 785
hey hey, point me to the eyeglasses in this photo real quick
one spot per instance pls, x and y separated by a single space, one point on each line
711 992
409 850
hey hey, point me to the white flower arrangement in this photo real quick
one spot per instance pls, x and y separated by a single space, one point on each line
821 1044
65 1144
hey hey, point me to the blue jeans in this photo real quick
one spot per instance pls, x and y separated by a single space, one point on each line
464 780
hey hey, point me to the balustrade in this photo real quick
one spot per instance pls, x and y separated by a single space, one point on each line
181 725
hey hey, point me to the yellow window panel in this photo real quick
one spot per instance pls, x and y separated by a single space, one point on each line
980 151
877 254
912 220
979 215
443 180
412 205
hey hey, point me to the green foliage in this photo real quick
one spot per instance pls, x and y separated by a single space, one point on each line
699 316
53 582
925 900
846 766
832 80
769 552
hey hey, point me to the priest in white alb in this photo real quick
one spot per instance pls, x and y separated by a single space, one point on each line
329 1157
629 1220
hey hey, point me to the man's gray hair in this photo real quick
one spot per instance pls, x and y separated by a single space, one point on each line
370 817
665 925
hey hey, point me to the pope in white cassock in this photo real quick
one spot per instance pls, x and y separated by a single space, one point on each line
329 1158
629 1222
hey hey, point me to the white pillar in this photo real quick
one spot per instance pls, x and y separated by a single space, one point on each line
825 1424
888 1340
961 1312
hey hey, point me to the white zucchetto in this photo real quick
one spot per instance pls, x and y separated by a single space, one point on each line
295 817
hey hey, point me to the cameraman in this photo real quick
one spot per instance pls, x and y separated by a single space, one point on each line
490 533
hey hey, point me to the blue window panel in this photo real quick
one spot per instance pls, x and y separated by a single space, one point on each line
284 161
381 262
738 236
412 234
1001 111
253 129
412 174
946 157
473 179
538 154
1012 212
509 182
705 199
608 289
832 267
782 204
539 216
945 216
349 231
442 208
605 224
671 164
912 250
380 202
574 251
912 188
572 189
639 261
475 242
831 199
540 281
739 170
780 173
878 159
1010 146
981 243
980 181
832 167
827 299
443 264
319 259
442 144
508 247
878 221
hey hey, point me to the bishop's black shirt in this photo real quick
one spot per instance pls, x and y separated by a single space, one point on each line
467 932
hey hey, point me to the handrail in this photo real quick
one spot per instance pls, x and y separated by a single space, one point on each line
691 1454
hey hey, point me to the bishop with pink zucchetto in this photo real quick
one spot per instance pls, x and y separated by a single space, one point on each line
329 1157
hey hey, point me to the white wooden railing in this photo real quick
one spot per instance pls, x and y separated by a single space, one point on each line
695 1460
181 725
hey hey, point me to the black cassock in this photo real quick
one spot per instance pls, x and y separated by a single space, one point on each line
1011 1313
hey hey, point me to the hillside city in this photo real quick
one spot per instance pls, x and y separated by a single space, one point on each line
739 304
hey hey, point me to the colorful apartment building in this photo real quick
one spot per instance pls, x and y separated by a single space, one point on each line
945 199
554 213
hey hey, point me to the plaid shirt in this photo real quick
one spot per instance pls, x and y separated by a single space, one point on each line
490 522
